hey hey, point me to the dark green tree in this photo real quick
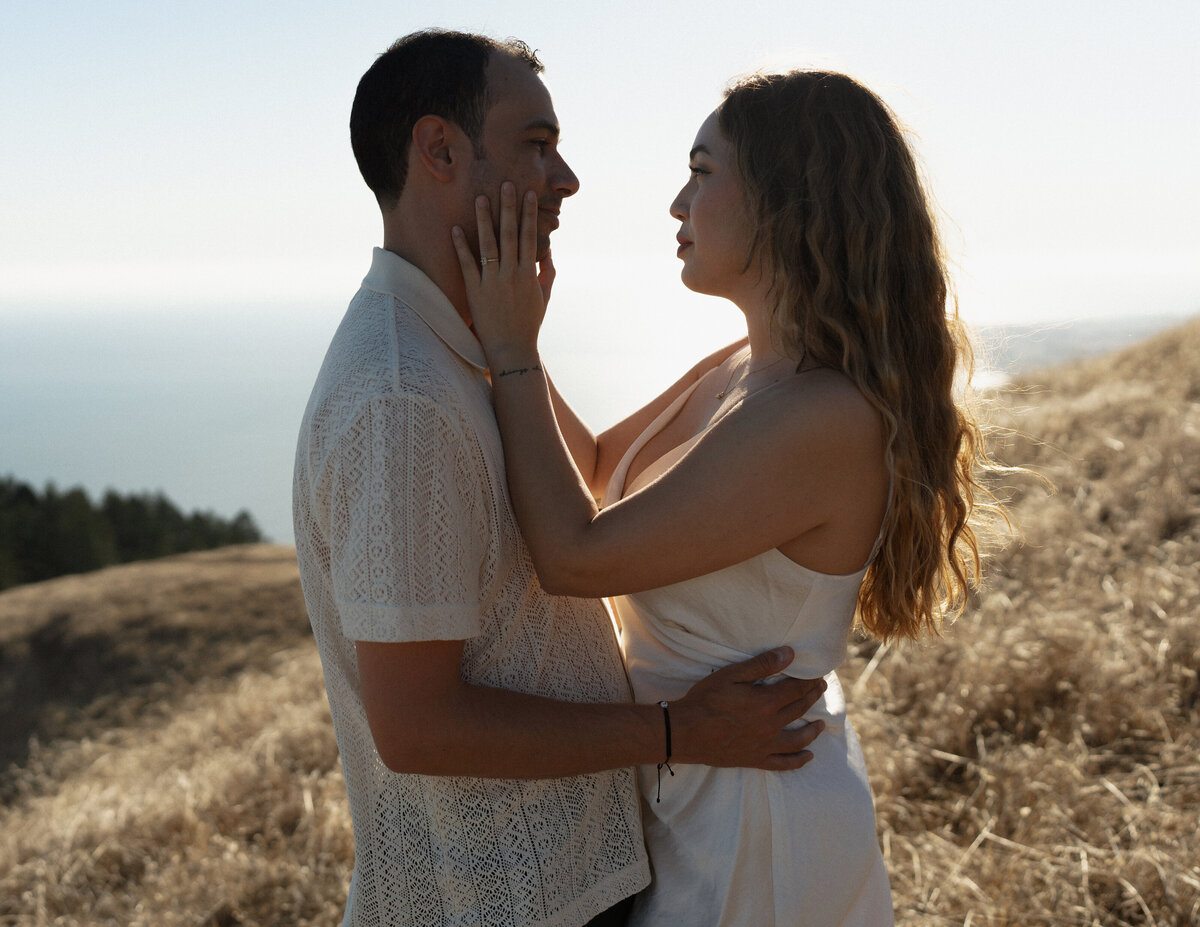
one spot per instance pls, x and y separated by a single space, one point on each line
47 535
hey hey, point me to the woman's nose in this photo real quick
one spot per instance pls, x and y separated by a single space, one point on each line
679 206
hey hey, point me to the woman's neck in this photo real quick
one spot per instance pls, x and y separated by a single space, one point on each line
764 342
761 364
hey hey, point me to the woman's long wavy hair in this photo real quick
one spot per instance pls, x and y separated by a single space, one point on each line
845 229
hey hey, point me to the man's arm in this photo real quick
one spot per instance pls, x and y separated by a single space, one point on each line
425 719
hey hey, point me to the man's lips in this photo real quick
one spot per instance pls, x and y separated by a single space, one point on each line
550 213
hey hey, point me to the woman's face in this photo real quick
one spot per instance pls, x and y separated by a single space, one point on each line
715 223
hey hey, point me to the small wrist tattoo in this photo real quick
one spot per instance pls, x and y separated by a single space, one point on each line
520 370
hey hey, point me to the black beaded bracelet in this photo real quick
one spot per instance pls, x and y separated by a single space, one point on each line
667 761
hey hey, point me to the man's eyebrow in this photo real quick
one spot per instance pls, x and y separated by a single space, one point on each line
699 149
548 124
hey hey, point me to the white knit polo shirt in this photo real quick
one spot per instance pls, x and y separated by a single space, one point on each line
404 532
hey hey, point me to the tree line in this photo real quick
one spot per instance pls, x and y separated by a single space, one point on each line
48 534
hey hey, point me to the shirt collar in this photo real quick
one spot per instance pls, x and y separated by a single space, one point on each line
395 276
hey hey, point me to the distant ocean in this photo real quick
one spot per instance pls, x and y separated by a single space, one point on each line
203 405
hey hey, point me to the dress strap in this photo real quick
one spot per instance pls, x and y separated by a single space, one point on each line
616 484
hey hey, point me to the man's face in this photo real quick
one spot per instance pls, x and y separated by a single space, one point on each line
520 143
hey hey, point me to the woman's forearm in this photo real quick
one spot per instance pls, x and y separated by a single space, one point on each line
552 499
580 440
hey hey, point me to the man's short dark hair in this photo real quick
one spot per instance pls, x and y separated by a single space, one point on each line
430 73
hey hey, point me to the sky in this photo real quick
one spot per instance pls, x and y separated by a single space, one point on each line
176 182
155 145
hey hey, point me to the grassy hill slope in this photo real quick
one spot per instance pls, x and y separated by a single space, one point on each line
170 762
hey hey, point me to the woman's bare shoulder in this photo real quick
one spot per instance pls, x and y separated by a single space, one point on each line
820 404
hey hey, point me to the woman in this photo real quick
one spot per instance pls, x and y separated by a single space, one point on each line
823 470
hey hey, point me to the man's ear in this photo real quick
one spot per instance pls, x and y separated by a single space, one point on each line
437 145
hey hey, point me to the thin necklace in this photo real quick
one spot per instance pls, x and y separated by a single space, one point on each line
725 389
724 392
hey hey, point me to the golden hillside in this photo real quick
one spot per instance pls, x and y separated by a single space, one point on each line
169 759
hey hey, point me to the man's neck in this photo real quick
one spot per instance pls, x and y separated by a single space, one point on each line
433 257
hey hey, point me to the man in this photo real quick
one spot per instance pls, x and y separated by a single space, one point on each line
484 726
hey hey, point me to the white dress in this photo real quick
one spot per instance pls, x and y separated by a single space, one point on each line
746 847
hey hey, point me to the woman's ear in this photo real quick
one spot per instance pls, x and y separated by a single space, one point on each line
436 147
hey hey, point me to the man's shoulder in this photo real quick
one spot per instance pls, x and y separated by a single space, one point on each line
381 338
383 350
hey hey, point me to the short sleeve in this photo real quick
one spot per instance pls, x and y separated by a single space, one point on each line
407 528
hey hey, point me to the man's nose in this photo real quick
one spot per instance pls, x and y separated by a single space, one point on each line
564 181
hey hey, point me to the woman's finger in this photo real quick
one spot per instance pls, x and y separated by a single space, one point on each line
546 276
529 219
488 251
466 260
508 223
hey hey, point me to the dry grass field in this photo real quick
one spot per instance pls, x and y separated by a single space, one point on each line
167 757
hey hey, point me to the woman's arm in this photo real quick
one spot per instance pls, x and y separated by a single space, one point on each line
597 456
791 461
614 442
780 466
581 442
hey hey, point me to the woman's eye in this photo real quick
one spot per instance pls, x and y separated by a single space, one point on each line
695 170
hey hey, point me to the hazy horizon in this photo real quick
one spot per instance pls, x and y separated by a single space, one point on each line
184 402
